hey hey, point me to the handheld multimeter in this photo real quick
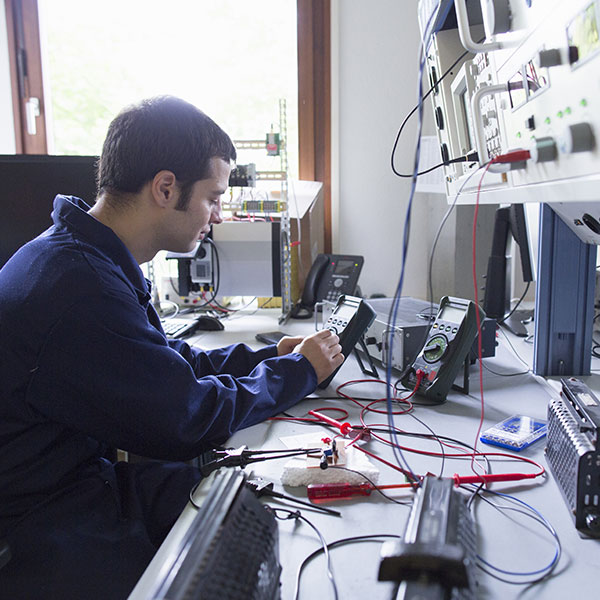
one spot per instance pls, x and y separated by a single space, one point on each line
350 318
448 344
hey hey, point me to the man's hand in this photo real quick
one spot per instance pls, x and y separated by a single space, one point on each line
287 344
323 351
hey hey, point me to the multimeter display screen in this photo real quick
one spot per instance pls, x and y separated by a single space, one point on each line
345 312
452 314
344 267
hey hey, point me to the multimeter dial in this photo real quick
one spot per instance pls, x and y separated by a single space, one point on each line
436 348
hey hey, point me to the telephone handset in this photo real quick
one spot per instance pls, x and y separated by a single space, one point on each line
330 276
448 344
350 318
309 294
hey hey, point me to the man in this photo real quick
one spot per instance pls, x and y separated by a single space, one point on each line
85 365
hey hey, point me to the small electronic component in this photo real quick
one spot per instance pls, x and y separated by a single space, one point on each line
357 467
332 454
272 144
261 206
516 432
243 176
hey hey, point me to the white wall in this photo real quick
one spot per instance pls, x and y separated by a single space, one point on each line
375 56
7 135
375 49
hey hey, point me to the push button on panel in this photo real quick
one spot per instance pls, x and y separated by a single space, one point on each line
530 123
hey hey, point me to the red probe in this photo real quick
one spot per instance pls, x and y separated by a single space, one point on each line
325 492
363 433
493 477
344 428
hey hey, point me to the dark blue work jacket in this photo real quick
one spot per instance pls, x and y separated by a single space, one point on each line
84 367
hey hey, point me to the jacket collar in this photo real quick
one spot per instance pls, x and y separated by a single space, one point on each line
73 211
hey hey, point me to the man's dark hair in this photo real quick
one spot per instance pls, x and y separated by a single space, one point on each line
162 133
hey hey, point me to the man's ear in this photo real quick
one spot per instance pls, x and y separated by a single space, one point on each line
164 189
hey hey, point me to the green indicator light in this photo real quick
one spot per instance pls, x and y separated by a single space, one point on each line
518 134
547 120
583 102
568 110
559 114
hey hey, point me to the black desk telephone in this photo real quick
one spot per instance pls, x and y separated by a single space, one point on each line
330 276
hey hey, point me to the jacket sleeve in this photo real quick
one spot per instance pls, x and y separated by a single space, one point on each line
105 371
236 360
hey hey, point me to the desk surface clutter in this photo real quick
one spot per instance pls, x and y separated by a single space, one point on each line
523 529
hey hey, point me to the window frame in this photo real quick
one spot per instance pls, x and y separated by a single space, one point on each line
25 62
314 88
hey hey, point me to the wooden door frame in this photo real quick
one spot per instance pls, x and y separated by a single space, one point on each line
314 99
25 63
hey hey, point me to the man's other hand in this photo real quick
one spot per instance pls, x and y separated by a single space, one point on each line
323 351
287 344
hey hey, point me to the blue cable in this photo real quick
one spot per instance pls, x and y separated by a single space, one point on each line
544 571
425 43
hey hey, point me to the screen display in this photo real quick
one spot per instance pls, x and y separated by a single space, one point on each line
466 110
452 313
582 32
344 267
345 312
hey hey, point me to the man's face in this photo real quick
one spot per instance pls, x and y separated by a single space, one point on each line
204 208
